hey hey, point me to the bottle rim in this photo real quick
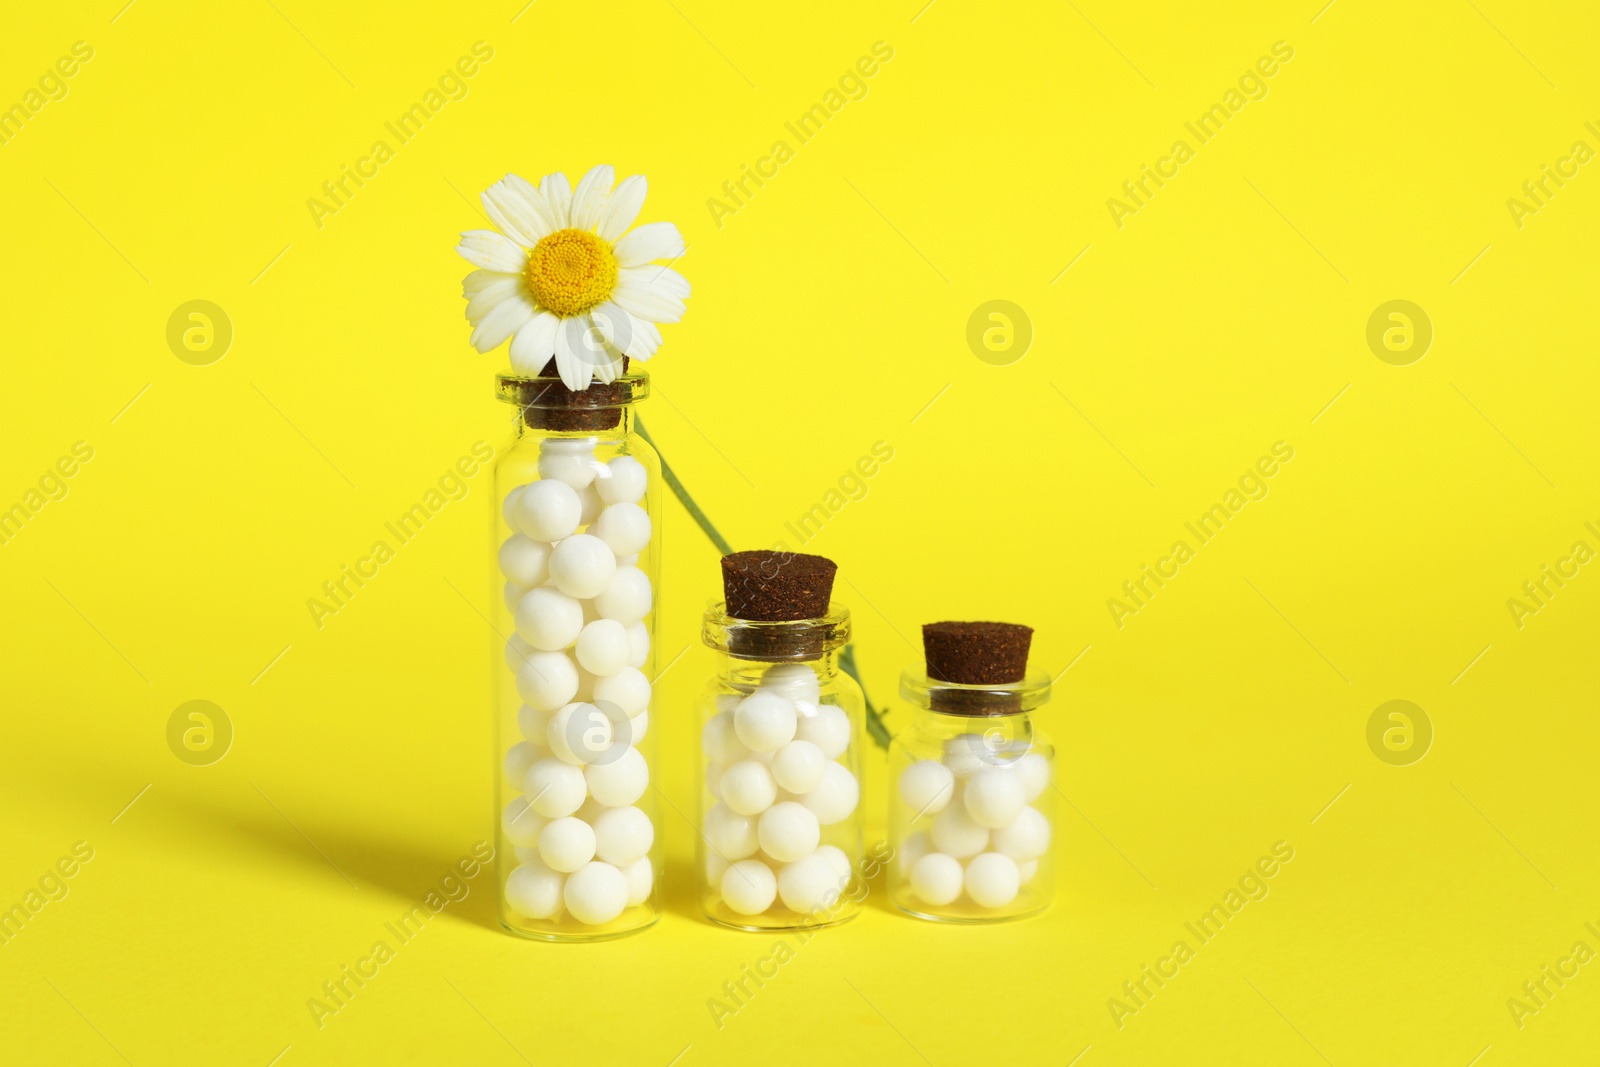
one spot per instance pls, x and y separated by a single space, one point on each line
791 640
954 698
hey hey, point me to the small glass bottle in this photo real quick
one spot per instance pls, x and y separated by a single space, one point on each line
577 527
781 736
970 817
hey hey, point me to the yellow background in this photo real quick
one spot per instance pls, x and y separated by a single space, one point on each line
829 313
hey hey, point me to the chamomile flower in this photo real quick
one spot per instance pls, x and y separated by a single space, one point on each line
566 278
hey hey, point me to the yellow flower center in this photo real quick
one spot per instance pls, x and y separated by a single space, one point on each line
571 271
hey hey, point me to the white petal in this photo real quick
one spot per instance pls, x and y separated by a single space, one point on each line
479 280
646 339
625 333
534 344
589 199
511 212
557 193
656 278
609 369
536 200
623 207
653 240
491 296
503 320
491 251
644 304
576 370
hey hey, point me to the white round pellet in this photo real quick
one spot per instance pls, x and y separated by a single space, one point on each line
835 797
534 890
828 728
714 772
966 753
533 723
576 466
749 887
623 481
603 647
623 835
799 766
809 884
1027 870
788 831
596 893
547 680
519 757
630 560
554 789
516 649
926 787
638 726
512 594
912 849
765 721
731 836
638 644
568 446
586 686
548 510
566 844
641 876
992 880
590 810
524 560
625 527
937 878
521 823
797 681
720 742
841 862
508 506
1034 770
626 596
1027 837
627 689
579 733
589 505
620 782
582 566
953 832
747 787
549 619
993 797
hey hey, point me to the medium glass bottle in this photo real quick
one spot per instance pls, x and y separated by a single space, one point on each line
578 536
970 817
781 736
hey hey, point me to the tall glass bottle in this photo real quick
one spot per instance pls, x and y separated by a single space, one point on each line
577 537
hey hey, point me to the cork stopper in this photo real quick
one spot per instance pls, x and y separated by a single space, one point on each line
769 587
549 405
976 653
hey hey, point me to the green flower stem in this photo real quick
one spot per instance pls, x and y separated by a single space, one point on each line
683 494
847 659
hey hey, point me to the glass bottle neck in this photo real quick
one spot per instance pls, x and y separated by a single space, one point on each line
623 428
744 673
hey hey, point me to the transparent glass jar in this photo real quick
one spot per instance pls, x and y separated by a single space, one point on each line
970 813
577 536
779 712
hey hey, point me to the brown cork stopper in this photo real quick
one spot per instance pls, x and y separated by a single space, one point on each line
777 587
770 586
549 405
976 653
